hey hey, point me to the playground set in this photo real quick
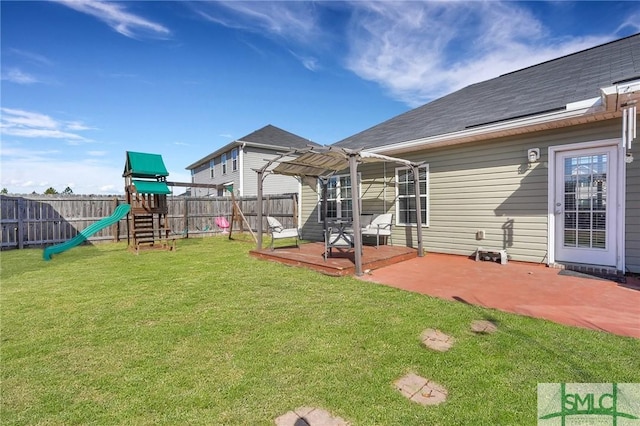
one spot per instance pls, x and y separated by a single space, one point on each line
146 208
146 189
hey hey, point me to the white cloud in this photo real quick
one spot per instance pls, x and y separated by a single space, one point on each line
419 51
25 171
32 57
17 76
77 126
309 62
632 23
117 17
19 118
27 124
291 20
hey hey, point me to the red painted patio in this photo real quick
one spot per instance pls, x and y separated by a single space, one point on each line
522 288
342 262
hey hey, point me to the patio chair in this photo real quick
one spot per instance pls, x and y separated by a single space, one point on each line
380 226
338 235
278 231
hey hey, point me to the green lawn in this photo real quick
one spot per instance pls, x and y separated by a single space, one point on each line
208 335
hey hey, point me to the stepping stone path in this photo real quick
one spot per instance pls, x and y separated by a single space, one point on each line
420 390
413 387
436 340
309 416
483 326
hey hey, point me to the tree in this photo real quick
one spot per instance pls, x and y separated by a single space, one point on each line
4 191
67 191
50 191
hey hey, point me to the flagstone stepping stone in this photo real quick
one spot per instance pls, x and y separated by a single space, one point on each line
483 326
436 340
421 390
309 416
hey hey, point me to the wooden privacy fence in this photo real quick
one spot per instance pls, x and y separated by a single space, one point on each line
41 220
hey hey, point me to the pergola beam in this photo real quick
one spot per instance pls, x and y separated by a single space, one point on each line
327 168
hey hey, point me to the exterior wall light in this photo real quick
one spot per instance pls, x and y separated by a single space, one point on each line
533 155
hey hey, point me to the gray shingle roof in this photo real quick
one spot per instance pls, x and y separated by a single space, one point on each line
272 135
544 87
268 135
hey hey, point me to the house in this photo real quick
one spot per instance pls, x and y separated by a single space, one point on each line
235 162
538 162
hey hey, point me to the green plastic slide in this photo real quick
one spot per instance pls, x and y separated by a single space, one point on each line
119 213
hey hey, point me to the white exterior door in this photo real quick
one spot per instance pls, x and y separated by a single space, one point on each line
585 206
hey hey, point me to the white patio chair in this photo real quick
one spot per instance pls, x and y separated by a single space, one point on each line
380 226
278 231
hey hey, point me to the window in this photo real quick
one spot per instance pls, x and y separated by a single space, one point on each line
405 191
339 203
223 160
212 168
234 159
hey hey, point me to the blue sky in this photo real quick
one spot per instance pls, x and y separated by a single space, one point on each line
85 81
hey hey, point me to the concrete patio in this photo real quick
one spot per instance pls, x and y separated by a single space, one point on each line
523 288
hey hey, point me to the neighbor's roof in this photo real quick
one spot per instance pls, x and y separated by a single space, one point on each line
545 87
140 164
268 137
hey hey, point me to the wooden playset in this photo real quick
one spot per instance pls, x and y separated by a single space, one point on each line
146 190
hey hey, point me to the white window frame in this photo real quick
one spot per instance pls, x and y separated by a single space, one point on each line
223 161
234 159
425 195
212 169
338 198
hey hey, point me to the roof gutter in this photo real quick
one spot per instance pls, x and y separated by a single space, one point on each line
573 113
229 146
608 105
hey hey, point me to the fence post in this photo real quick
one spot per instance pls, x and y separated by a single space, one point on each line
115 229
294 198
21 215
186 217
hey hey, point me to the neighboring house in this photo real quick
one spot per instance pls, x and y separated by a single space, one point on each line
531 162
235 162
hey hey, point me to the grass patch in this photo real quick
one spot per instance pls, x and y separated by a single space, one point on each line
209 335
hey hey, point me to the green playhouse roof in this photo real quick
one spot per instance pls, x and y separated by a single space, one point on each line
151 187
140 164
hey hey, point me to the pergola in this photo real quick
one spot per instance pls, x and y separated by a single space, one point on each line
321 163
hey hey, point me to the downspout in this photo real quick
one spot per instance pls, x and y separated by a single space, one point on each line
416 184
384 187
241 169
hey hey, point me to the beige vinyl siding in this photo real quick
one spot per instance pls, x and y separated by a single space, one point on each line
490 186
254 158
487 186
632 219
